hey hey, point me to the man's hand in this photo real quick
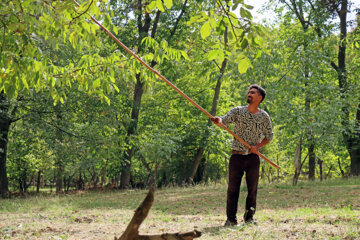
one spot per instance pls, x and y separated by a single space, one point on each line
255 149
216 120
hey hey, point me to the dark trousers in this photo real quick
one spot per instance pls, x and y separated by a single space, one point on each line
238 165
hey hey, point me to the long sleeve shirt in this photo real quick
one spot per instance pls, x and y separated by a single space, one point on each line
249 127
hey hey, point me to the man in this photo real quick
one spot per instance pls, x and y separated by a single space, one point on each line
253 125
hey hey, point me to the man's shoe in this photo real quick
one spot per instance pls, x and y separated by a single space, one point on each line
229 223
248 215
250 221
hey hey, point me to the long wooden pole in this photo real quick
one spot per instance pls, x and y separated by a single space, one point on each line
174 87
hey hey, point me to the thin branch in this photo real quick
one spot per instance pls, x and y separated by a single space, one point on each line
295 48
286 73
3 43
156 21
304 160
67 132
227 14
79 69
83 12
139 23
334 66
311 4
178 20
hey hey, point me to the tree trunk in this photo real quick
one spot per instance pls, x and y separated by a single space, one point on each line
340 168
312 161
59 152
351 137
354 149
143 28
310 137
38 181
198 157
213 111
125 173
321 168
203 177
5 122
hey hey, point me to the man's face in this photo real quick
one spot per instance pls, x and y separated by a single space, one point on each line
253 96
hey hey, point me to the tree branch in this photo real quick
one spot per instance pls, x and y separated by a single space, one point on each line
78 16
178 20
171 236
132 230
227 14
334 66
3 43
156 21
140 214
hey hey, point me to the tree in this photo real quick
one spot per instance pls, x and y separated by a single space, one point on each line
315 15
234 38
29 42
5 121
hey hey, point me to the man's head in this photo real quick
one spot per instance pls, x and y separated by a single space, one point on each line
256 94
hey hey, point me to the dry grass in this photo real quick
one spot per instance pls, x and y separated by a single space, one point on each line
309 211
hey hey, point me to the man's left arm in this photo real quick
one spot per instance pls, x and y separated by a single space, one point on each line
267 132
255 149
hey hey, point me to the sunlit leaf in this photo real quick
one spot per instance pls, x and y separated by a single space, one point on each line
168 3
244 64
205 30
160 5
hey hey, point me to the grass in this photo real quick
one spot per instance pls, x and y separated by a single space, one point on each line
311 210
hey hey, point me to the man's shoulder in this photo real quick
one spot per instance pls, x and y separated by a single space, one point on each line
264 113
241 108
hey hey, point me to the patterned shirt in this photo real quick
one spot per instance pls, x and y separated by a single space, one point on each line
249 127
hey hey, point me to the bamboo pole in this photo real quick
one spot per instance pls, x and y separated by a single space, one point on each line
174 87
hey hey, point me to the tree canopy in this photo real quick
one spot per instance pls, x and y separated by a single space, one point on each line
78 111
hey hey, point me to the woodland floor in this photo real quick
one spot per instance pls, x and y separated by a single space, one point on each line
318 210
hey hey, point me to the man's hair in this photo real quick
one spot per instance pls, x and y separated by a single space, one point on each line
260 90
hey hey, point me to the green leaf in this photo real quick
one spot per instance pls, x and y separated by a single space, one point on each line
221 55
23 80
244 65
233 19
10 90
96 83
151 6
168 3
258 40
248 6
258 54
212 54
357 45
244 43
115 29
184 54
160 5
212 22
205 30
116 88
107 100
245 14
52 82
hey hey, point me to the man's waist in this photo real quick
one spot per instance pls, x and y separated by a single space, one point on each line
239 152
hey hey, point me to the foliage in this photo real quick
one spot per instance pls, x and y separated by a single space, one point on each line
71 88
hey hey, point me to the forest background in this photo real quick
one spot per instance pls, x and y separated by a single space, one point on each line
78 112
